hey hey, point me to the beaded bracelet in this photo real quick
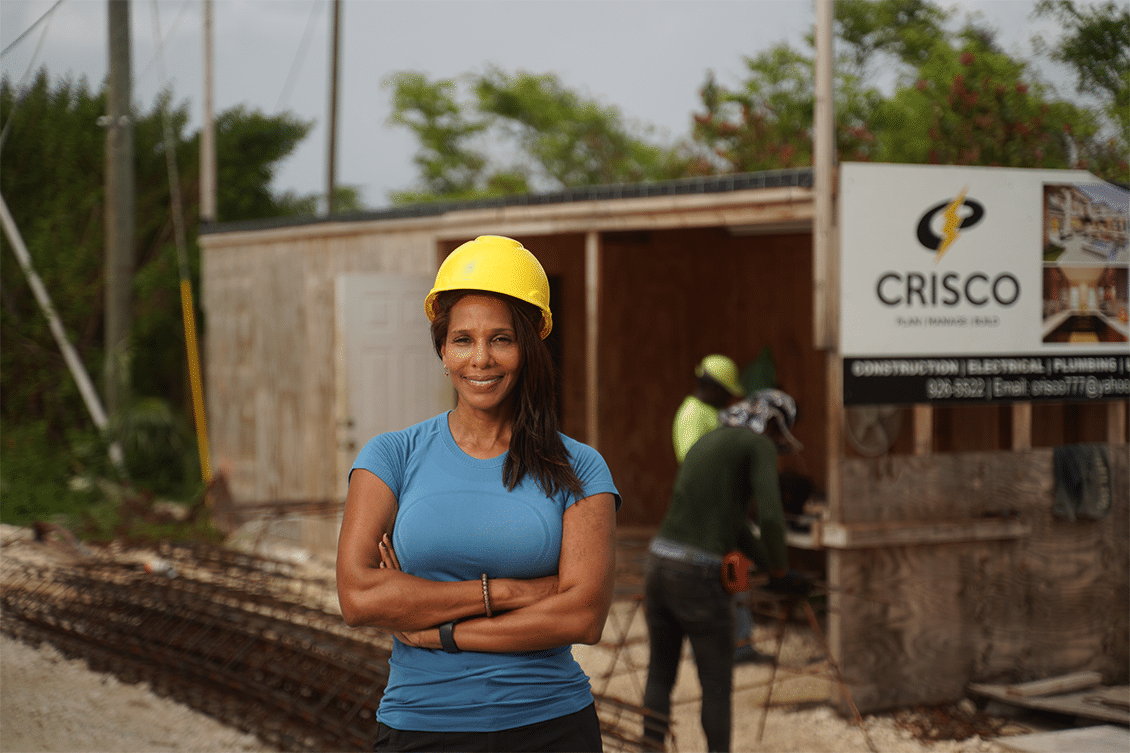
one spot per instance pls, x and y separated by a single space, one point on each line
486 596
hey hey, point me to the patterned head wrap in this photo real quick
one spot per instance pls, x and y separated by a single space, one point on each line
757 410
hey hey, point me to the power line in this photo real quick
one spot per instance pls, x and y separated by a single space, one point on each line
299 57
30 66
32 27
159 41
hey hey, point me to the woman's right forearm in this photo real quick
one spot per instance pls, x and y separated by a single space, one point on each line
394 601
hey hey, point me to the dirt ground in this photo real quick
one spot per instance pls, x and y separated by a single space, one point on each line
51 703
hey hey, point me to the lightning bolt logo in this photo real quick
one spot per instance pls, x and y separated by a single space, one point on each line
952 227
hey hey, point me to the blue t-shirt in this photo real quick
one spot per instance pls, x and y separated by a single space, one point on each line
455 520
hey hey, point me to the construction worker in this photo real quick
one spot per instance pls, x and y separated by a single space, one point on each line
717 386
684 592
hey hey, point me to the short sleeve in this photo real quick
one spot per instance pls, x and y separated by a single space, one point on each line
384 456
592 471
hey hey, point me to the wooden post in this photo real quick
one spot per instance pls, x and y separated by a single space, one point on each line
923 429
1116 421
119 213
592 338
824 288
825 250
208 131
825 304
331 158
1021 426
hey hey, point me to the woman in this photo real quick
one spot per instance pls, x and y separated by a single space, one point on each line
483 539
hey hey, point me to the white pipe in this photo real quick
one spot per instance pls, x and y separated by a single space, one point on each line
74 363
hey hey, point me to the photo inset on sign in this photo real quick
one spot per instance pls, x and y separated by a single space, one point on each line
1086 252
1086 223
1085 305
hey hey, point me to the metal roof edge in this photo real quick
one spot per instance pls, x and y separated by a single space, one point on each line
794 177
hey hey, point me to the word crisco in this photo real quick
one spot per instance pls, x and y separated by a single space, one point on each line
948 289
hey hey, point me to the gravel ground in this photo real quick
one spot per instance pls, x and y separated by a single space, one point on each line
51 703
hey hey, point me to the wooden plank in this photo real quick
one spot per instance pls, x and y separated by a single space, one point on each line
1103 738
1057 685
917 533
1081 703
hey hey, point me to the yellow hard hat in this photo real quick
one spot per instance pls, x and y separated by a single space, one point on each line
722 370
494 264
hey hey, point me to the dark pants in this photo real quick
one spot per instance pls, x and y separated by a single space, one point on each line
573 733
683 600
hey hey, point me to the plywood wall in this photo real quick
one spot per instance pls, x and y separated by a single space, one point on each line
915 623
268 302
672 297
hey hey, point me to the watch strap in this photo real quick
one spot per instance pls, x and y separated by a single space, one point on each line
447 637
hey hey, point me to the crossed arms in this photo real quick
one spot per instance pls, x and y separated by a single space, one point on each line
530 615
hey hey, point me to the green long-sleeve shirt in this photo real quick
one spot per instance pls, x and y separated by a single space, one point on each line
710 502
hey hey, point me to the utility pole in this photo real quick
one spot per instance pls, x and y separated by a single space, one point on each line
208 132
119 212
331 161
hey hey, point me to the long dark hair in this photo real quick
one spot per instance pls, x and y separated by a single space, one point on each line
535 443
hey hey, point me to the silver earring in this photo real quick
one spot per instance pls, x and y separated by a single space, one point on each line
446 372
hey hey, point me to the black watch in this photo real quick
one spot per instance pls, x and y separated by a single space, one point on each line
447 637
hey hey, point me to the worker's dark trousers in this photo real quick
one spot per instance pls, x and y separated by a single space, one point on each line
685 600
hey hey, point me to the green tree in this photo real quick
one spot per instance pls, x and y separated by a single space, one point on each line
902 30
450 163
957 99
53 183
767 122
249 147
975 106
572 140
765 125
555 137
1095 45
53 155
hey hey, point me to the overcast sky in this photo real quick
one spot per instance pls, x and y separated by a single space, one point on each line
646 57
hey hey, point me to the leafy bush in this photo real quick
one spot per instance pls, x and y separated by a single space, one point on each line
36 474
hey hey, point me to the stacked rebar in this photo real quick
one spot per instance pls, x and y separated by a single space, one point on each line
239 637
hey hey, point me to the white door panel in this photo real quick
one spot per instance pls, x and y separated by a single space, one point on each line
388 374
